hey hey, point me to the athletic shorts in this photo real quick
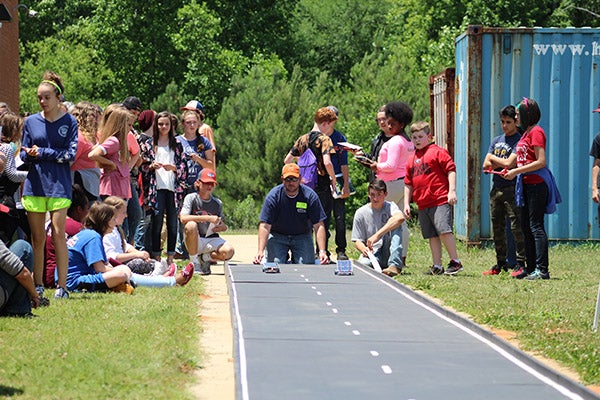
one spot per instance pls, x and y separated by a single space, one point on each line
43 204
436 221
208 245
91 283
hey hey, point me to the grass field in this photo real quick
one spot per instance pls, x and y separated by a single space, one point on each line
114 346
104 346
553 318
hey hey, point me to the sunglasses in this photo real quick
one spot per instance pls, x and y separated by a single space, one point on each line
291 179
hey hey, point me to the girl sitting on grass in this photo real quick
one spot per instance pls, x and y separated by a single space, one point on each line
88 265
118 249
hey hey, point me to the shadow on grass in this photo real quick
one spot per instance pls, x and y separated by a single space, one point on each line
10 391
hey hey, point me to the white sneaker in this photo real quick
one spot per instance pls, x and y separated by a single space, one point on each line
160 268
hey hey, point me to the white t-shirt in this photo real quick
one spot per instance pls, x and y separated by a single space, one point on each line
113 245
165 179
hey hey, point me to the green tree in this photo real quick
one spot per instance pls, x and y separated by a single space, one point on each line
83 73
258 124
331 36
209 66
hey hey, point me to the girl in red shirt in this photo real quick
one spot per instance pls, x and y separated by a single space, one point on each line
531 158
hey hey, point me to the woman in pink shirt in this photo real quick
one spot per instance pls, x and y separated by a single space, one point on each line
390 166
114 180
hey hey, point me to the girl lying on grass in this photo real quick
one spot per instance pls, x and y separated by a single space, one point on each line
88 265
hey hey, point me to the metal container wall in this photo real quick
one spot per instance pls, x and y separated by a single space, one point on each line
559 69
441 102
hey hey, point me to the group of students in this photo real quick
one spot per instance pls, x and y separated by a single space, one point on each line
91 171
412 168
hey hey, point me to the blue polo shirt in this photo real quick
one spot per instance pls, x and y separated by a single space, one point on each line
292 216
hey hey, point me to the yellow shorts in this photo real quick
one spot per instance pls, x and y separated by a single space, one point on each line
44 204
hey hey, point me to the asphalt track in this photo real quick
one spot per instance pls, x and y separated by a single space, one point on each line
306 333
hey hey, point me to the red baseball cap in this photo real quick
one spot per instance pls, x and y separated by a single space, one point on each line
208 176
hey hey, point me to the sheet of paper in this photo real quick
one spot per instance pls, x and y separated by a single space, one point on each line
374 261
209 231
349 145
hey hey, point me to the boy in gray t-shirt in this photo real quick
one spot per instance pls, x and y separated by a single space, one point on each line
202 215
377 229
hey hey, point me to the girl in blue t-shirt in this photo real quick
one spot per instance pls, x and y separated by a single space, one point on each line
49 145
88 265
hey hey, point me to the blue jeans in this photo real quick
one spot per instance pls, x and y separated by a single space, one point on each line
532 222
165 205
134 215
14 297
142 239
390 252
301 247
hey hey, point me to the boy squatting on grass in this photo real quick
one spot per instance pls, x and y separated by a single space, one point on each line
431 181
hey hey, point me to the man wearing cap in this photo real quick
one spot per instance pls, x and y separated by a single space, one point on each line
202 216
595 152
289 214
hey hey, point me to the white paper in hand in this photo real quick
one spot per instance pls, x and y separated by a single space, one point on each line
374 261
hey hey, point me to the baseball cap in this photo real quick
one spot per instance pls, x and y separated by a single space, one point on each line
208 176
290 170
597 109
193 105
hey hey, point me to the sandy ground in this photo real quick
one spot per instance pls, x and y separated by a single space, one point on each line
215 380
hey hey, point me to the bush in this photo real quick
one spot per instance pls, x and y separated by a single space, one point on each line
244 215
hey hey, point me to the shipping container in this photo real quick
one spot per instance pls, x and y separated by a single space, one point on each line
559 69
441 103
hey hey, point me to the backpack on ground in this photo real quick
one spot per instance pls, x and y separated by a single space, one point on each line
308 164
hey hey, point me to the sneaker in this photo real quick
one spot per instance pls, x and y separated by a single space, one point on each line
205 268
495 270
435 270
392 271
518 271
123 288
187 273
197 268
160 268
342 256
522 274
61 293
453 268
43 301
172 270
537 274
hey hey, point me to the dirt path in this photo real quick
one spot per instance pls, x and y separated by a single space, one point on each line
216 378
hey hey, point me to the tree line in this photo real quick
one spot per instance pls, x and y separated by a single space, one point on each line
261 68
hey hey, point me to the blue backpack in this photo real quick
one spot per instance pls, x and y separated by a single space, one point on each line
308 164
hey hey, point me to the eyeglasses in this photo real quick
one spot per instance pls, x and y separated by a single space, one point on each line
291 179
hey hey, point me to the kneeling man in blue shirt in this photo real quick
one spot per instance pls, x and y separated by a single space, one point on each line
289 214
